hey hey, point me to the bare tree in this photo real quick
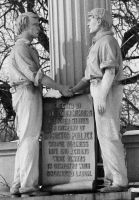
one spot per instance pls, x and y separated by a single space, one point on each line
126 26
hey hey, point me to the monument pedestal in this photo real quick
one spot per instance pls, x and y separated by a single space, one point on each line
87 196
7 159
68 144
131 143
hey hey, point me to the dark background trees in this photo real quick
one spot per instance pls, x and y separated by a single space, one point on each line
126 28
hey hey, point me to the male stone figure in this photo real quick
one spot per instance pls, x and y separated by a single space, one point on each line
26 78
103 70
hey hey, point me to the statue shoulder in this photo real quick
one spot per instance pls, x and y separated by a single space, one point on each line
109 40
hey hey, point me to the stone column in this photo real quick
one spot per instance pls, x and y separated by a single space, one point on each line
69 38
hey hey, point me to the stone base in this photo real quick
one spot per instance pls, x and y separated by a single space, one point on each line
7 159
131 143
88 196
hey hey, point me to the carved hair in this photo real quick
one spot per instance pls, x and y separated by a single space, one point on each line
103 15
23 20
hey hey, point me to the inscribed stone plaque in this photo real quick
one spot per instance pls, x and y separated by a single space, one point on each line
68 144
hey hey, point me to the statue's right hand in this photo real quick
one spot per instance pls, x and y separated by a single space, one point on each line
65 91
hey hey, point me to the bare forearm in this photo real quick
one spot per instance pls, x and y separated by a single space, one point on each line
107 81
50 83
80 86
45 80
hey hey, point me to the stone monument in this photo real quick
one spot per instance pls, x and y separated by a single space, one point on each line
68 141
68 144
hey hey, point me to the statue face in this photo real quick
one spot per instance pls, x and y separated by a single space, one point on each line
94 25
34 27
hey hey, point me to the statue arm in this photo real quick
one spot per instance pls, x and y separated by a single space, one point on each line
50 83
24 62
83 83
107 81
106 84
27 67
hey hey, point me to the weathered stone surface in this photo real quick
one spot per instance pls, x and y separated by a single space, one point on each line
88 196
7 158
68 144
131 143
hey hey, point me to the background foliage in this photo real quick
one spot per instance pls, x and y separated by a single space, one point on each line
126 28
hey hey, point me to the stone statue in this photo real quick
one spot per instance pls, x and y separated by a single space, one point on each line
26 79
103 70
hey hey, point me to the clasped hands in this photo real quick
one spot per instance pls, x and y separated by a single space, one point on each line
66 91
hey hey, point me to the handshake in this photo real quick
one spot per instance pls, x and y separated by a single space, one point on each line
66 91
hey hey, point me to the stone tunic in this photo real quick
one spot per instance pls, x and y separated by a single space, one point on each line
27 103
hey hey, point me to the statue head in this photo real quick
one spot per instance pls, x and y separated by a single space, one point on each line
24 21
102 16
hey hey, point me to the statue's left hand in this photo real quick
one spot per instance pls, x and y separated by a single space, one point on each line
101 105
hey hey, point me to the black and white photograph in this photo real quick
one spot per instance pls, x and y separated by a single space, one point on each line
69 99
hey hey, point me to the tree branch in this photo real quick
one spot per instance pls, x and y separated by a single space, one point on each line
131 104
130 39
